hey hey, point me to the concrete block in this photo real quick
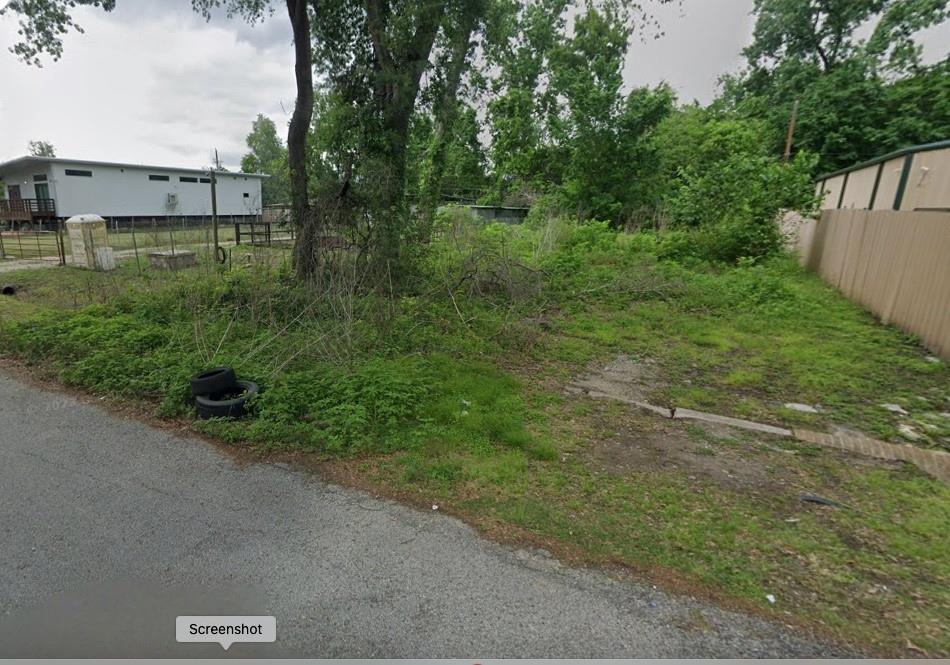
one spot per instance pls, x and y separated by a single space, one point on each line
172 260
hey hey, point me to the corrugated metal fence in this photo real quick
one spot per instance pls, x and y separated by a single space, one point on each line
895 263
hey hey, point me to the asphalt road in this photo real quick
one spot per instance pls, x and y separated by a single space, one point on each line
109 529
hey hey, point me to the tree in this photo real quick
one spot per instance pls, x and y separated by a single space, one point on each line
559 120
264 144
457 49
299 12
43 24
824 32
519 51
600 130
848 88
268 155
373 57
42 149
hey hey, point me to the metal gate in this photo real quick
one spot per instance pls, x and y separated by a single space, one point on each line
34 242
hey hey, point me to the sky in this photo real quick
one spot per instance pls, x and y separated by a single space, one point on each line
154 83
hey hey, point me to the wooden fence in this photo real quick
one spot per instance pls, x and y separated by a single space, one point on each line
895 263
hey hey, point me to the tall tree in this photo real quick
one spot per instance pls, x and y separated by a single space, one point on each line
521 100
300 13
41 149
847 87
587 74
457 49
268 155
375 56
264 144
825 32
375 60
559 118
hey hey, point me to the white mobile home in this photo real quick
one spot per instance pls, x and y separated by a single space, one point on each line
38 188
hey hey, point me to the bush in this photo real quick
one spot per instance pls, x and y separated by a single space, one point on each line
726 187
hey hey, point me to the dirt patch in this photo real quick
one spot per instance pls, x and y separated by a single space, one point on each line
625 379
669 448
631 443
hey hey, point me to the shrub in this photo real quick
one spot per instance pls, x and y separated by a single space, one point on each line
726 186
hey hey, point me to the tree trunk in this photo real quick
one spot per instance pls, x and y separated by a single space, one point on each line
305 246
445 120
396 88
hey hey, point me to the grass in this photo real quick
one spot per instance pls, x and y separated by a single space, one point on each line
732 345
453 393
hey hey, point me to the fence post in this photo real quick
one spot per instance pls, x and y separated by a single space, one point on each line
135 248
60 243
171 232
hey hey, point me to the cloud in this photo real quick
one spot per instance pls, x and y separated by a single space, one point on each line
150 83
701 41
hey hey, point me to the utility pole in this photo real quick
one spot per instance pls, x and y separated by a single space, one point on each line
214 203
791 132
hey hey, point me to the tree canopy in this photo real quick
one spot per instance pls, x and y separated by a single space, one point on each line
858 96
267 154
402 105
43 24
41 149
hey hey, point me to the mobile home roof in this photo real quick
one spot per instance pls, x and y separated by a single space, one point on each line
23 161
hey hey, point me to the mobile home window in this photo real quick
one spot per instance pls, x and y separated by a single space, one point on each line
79 172
186 178
206 180
246 195
163 178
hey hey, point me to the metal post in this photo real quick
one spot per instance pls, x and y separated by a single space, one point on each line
135 247
60 242
214 203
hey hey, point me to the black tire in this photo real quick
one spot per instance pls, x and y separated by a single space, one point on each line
213 381
228 404
8 289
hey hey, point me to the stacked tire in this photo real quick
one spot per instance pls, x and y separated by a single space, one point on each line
219 393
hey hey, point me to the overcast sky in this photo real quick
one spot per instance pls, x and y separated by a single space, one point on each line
153 83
